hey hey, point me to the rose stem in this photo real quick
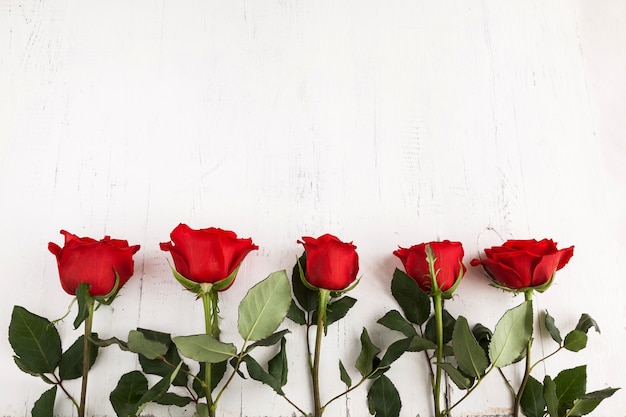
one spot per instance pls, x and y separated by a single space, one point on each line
528 296
438 304
209 302
86 346
321 316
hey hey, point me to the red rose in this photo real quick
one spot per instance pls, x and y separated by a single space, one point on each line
206 255
330 263
448 264
83 259
522 264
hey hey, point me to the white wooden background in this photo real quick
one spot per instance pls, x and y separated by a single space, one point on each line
385 123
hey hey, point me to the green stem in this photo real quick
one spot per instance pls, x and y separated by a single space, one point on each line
438 305
211 327
86 346
528 296
324 295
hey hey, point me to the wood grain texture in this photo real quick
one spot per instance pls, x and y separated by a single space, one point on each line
383 123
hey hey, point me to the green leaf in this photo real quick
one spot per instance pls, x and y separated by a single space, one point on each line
532 401
483 337
129 390
343 374
295 314
44 406
365 361
217 373
394 351
469 355
512 335
270 340
157 391
588 402
205 348
586 322
35 341
277 366
552 329
306 297
165 365
575 340
71 365
419 344
84 300
393 320
170 398
264 307
549 394
142 343
202 410
257 373
414 302
336 310
459 379
448 327
383 399
108 342
571 384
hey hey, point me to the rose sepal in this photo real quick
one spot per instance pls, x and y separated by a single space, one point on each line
339 293
185 282
303 277
199 288
448 293
540 288
107 299
226 282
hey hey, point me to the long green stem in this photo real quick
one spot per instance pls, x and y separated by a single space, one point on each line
211 327
86 346
321 322
438 305
528 296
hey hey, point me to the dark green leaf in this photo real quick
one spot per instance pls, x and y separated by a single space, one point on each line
552 329
336 310
170 398
571 384
157 391
419 344
295 314
549 394
575 340
383 399
71 365
394 351
483 336
588 402
44 406
512 335
365 361
35 341
111 341
469 355
165 365
270 340
277 366
459 379
414 302
217 373
533 402
84 300
306 298
257 373
129 390
393 320
198 381
345 377
586 322
448 327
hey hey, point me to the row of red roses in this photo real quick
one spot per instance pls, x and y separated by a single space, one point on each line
212 255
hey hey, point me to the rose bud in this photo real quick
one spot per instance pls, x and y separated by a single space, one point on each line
330 263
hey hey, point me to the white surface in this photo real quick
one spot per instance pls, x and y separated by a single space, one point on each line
383 123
